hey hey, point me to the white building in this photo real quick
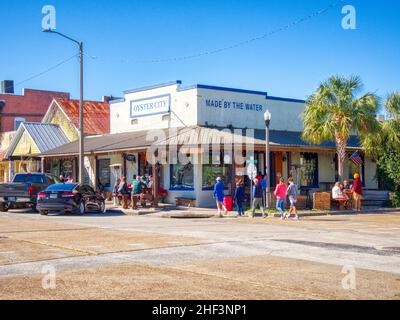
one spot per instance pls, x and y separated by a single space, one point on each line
199 113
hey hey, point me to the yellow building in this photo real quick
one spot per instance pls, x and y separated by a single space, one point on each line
30 140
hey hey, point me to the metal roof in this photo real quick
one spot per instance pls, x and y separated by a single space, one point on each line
189 136
96 115
45 136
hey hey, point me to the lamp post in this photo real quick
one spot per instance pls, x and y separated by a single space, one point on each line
81 125
267 118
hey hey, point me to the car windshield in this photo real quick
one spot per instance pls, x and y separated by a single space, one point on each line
29 178
62 187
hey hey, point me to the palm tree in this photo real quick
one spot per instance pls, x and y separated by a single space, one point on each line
391 127
336 111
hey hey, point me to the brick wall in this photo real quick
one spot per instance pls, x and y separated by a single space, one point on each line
32 106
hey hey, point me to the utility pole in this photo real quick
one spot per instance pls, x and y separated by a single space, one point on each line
81 115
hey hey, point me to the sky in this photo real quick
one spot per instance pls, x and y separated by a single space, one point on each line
123 38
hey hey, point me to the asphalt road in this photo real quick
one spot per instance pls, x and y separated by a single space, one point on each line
370 243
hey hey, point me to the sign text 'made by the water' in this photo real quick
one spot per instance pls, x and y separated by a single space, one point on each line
233 105
149 106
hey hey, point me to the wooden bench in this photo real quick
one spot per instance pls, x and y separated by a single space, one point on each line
189 202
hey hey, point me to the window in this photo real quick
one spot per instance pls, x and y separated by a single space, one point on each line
182 177
29 178
309 170
18 122
104 172
24 139
212 171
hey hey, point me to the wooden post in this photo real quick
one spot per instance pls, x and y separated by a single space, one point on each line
43 165
95 173
156 181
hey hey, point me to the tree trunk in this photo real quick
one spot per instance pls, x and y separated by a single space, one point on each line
341 145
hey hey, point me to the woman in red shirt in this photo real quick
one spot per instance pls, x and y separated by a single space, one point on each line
357 192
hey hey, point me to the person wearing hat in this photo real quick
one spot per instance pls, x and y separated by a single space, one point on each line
357 192
219 195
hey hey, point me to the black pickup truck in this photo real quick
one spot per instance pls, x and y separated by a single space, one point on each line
23 190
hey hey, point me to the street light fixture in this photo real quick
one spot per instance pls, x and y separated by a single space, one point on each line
81 124
267 118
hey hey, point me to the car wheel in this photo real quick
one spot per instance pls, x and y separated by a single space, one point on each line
43 213
4 207
81 208
103 208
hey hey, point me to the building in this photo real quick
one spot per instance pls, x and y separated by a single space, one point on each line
201 117
15 109
60 126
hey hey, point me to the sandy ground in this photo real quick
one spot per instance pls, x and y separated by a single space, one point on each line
256 278
119 257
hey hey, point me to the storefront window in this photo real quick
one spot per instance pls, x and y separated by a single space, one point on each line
182 176
212 171
66 168
104 172
309 170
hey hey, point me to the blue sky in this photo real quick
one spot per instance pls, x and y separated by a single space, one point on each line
121 34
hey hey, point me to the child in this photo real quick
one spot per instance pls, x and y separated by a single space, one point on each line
292 194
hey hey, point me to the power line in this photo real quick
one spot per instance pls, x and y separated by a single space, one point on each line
245 42
46 71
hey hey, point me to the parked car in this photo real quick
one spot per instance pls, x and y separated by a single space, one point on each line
23 190
70 198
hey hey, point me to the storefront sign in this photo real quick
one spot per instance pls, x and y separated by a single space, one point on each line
130 158
233 105
149 106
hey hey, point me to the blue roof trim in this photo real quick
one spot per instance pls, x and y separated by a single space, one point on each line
117 101
166 84
202 86
285 99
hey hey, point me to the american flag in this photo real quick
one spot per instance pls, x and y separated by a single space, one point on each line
356 159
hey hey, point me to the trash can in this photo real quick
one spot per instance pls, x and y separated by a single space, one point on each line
228 203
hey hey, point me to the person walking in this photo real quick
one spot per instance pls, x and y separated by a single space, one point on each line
239 198
280 194
357 192
219 195
292 194
264 185
258 198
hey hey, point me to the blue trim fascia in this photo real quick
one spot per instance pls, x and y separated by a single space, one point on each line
161 85
117 101
181 189
150 98
285 99
202 86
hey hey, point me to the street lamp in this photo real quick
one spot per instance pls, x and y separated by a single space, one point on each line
267 118
81 125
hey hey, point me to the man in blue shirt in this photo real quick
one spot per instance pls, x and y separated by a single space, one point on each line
239 198
219 195
258 198
264 186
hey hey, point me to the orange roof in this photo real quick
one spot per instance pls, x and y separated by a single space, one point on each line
96 115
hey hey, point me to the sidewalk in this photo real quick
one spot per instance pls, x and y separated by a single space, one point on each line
174 212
